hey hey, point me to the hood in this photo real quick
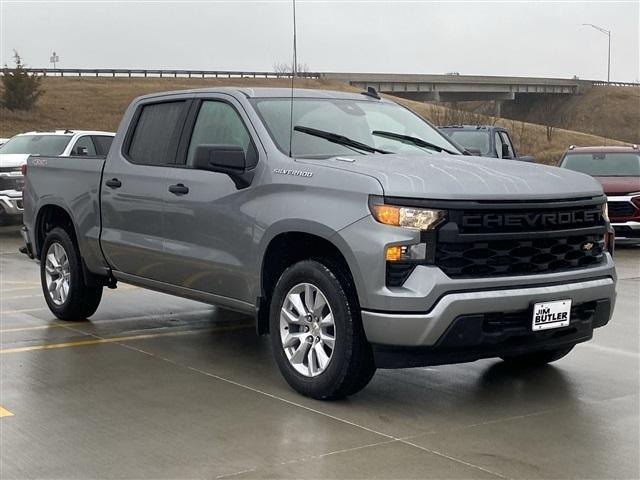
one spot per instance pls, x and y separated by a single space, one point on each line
619 185
13 159
447 177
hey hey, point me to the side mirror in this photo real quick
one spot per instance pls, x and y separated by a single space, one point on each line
527 158
506 153
82 151
228 159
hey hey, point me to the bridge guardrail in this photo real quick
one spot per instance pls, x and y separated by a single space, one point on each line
160 73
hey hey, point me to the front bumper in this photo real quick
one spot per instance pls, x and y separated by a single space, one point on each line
11 204
627 232
426 329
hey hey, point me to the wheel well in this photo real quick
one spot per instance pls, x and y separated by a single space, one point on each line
283 251
50 217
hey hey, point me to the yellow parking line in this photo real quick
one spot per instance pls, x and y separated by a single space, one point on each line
97 341
5 290
36 327
5 413
111 321
24 310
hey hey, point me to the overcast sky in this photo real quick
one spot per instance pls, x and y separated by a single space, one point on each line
532 38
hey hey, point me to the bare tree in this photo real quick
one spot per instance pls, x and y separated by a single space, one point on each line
284 69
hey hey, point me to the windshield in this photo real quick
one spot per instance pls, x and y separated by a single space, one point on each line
354 119
475 139
604 164
49 145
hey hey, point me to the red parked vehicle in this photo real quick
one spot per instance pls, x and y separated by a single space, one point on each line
618 170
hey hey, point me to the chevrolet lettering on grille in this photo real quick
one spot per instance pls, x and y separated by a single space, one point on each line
492 220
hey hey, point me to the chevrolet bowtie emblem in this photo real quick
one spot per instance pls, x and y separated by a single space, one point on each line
587 246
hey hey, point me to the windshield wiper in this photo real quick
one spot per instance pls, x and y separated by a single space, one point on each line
418 142
339 139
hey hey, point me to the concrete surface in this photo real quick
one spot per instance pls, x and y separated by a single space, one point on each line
159 387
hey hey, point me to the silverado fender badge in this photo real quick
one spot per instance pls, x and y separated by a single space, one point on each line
295 173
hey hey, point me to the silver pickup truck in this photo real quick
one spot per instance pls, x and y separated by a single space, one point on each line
353 231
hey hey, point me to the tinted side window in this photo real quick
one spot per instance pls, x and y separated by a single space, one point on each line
102 143
155 132
84 146
218 123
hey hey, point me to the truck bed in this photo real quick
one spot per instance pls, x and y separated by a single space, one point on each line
72 184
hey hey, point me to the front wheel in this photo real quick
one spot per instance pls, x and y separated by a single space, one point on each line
537 358
63 283
316 331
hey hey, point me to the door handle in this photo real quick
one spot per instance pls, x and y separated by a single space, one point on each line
113 183
178 189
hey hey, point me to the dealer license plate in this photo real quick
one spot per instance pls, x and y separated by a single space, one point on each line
548 315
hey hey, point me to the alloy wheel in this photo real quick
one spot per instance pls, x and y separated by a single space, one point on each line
307 329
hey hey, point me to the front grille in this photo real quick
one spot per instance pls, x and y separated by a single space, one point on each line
11 183
518 257
621 209
508 239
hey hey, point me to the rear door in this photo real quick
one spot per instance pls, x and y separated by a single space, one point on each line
208 227
134 183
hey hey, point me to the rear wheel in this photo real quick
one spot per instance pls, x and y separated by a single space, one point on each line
537 358
316 332
63 283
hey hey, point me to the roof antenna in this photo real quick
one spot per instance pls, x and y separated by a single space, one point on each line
294 70
371 92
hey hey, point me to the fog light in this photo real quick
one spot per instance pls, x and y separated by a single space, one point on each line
394 253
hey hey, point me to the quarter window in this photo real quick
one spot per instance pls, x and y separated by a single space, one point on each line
84 147
218 123
155 133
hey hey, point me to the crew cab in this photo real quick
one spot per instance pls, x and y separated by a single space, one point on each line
485 141
617 168
353 231
14 154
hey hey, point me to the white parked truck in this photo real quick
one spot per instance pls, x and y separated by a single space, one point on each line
15 151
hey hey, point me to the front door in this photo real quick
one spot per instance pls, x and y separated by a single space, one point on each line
134 183
207 222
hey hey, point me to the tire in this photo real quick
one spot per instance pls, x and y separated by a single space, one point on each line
536 359
350 363
81 300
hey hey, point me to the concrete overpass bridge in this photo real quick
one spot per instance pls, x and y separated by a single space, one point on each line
460 88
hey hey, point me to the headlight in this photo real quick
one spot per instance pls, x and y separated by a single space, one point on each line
408 217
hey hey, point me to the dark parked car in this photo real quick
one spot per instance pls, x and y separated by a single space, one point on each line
618 170
485 141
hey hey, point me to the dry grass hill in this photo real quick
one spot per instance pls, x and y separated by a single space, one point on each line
98 104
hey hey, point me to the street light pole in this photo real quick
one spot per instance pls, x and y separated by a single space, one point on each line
608 34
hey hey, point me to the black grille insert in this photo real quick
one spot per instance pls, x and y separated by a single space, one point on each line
520 256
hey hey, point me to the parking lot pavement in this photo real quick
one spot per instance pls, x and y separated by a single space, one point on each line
159 387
